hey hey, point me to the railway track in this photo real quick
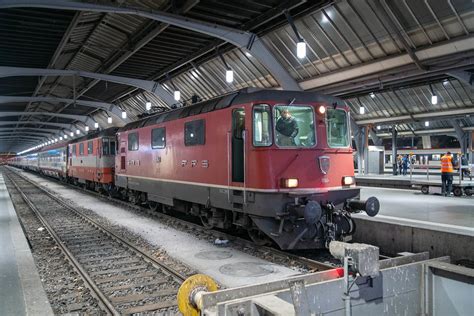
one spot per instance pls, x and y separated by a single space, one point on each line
309 262
123 278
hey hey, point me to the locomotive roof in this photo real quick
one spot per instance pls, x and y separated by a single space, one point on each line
106 132
225 101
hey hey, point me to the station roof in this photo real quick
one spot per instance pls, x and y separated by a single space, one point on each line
387 56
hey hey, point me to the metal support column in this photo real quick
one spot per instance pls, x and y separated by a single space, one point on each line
366 149
394 151
461 135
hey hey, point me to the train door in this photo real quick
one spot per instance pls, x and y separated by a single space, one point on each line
99 158
238 143
123 155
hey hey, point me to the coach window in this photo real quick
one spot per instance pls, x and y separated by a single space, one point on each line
158 138
73 149
262 130
194 133
81 149
89 147
133 141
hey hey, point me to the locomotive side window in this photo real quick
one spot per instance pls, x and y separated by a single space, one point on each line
81 149
158 138
105 146
262 131
89 147
194 133
133 141
294 126
337 128
112 147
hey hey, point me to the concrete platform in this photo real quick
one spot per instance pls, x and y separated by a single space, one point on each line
21 291
403 182
411 221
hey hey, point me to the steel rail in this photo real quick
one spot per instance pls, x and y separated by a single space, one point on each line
310 263
85 276
175 274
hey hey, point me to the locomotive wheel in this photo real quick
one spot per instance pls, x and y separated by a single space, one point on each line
206 220
134 198
258 237
457 191
153 205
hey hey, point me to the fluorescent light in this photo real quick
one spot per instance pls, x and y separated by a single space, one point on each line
445 82
96 125
65 136
427 123
109 120
248 54
55 140
194 73
229 75
72 134
148 105
124 114
372 95
78 131
301 49
60 138
434 99
177 95
379 127
87 128
361 110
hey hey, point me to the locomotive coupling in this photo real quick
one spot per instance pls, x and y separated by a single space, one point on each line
371 206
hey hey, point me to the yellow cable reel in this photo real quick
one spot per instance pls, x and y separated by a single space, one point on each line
189 293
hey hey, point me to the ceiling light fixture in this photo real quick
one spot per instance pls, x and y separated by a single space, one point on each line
300 43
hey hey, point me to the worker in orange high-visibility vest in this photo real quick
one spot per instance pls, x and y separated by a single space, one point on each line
447 170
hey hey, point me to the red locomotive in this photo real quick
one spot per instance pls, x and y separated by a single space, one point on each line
91 160
277 164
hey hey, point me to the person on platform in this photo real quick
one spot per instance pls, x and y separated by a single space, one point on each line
399 163
464 165
287 129
447 170
405 164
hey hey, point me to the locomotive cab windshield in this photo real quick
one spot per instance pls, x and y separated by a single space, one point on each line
337 128
294 126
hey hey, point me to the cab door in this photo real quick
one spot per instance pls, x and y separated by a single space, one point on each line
238 145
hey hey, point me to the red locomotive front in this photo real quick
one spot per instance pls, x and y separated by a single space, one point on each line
91 160
275 163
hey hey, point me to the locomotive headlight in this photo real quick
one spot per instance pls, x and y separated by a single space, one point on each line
348 180
322 109
289 183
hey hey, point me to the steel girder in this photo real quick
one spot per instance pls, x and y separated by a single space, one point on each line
14 134
63 125
242 39
83 118
148 85
462 75
32 129
418 116
38 138
109 107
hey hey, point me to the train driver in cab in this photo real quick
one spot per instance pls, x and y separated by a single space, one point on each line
287 129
